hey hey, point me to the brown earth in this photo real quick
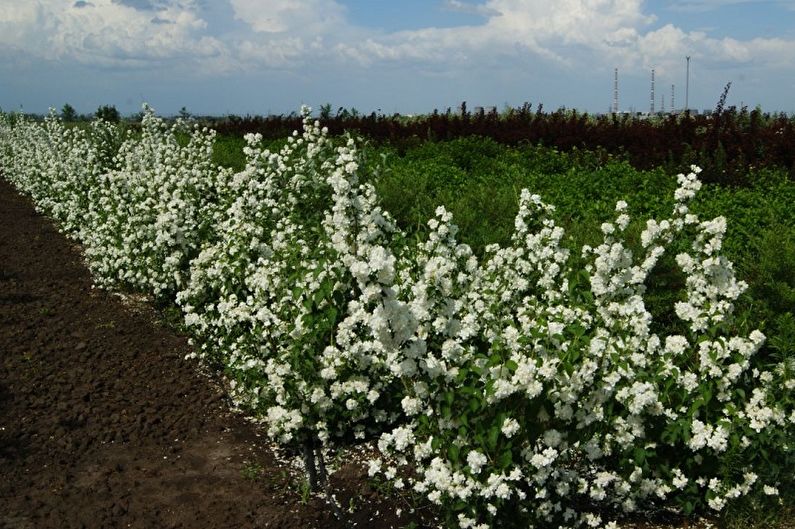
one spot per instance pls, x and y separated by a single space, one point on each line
103 424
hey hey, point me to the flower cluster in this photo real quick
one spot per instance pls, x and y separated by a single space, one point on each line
297 291
530 385
540 386
150 215
139 205
58 166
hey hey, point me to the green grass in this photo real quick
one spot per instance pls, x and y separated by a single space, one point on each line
228 152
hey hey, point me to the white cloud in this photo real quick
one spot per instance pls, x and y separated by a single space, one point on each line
666 47
701 6
576 35
298 16
109 33
287 33
572 34
17 21
469 8
698 6
556 32
285 52
570 38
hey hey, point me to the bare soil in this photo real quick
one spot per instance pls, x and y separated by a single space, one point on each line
103 423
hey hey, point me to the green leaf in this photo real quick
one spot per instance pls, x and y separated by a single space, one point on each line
698 403
493 437
459 506
466 390
577 330
424 421
449 397
453 452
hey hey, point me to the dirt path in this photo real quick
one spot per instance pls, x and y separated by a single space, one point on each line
102 422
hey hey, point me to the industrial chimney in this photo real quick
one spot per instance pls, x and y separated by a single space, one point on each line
651 99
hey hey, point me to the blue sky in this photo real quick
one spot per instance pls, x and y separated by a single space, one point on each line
408 56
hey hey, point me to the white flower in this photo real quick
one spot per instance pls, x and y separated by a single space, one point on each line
373 467
679 480
411 406
717 503
476 460
770 491
552 438
510 427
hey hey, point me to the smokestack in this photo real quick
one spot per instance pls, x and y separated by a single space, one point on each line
651 100
615 93
673 105
662 103
687 85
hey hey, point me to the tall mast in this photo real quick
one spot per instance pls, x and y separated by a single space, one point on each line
651 99
687 85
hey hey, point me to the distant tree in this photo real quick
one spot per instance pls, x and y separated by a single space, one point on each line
344 113
108 113
184 114
68 113
325 112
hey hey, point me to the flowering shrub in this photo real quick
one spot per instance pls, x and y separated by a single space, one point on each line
297 293
140 206
149 216
541 395
524 388
57 165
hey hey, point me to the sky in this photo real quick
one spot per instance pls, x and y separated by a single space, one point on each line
218 57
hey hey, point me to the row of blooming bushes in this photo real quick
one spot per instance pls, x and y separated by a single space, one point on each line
528 385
